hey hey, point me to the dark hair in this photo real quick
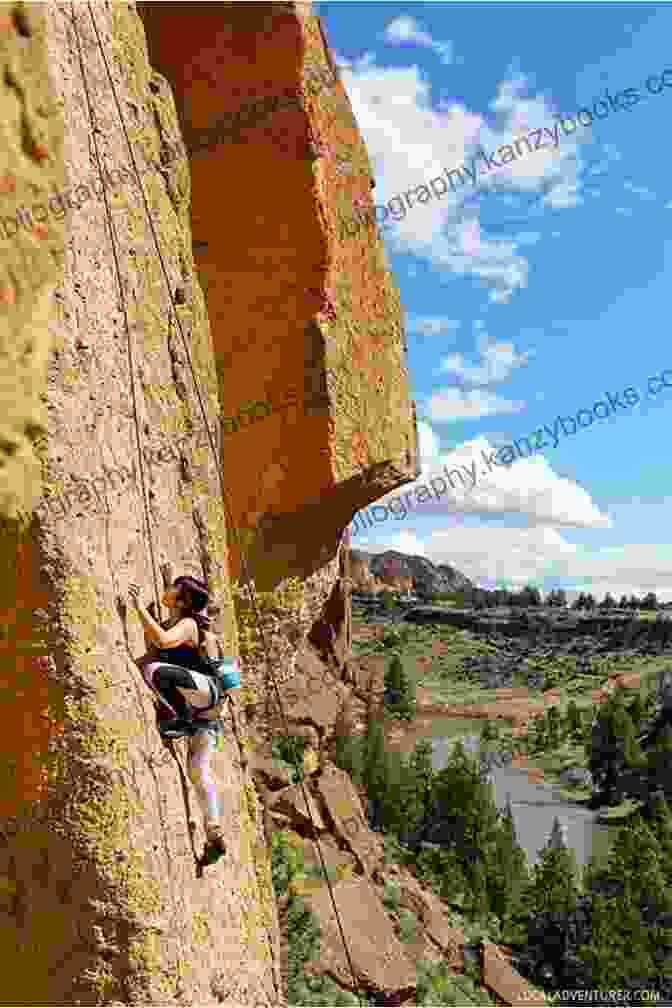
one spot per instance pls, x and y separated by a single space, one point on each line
195 594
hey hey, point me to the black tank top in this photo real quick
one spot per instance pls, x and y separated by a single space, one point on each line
184 655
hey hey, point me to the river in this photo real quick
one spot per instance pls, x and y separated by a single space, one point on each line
534 806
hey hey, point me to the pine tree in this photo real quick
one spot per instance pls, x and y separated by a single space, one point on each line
552 896
632 881
348 749
374 770
399 690
573 723
659 763
607 758
659 820
636 710
553 727
421 776
618 946
508 874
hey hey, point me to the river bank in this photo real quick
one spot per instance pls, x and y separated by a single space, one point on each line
451 703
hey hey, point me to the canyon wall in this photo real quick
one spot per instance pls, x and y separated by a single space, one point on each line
119 363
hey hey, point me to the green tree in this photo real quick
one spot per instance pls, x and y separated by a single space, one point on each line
636 710
348 749
399 690
397 802
421 776
375 767
573 723
631 891
659 763
551 897
612 733
553 727
508 874
388 601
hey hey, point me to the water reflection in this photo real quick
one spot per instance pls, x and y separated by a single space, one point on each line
534 806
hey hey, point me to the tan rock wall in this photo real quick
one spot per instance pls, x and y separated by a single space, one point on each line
297 313
99 896
107 472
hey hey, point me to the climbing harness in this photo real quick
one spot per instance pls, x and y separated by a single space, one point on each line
218 460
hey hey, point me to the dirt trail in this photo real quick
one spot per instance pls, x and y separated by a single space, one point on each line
515 704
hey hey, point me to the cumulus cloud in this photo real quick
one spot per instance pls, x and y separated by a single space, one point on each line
528 486
498 361
497 556
493 554
406 30
432 325
457 403
412 140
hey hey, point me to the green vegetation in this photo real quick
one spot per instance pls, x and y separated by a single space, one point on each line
567 929
301 931
399 690
289 749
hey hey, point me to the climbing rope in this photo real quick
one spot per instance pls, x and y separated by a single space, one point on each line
113 241
218 461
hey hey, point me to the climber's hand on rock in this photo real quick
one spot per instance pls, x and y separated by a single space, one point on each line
133 594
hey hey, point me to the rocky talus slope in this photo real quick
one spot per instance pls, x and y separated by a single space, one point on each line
385 965
114 363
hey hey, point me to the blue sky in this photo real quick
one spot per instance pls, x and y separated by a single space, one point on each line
535 292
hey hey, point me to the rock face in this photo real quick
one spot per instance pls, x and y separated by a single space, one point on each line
379 959
372 571
100 900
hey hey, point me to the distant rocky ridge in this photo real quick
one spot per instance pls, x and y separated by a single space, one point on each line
376 572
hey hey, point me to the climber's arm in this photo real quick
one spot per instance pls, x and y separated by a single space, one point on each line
182 633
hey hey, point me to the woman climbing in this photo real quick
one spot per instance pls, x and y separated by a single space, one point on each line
174 667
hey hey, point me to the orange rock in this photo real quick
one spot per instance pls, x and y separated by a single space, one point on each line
39 151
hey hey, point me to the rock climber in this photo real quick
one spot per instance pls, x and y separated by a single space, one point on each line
173 667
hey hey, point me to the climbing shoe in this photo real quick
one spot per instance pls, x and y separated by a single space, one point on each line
176 728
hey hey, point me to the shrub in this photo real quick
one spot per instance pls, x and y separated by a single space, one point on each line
290 749
391 895
408 926
287 861
303 938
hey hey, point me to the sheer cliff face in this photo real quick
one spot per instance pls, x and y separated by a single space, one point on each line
98 899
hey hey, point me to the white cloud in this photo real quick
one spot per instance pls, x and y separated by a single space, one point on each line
493 555
410 143
457 403
528 486
432 325
406 29
498 361
625 211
